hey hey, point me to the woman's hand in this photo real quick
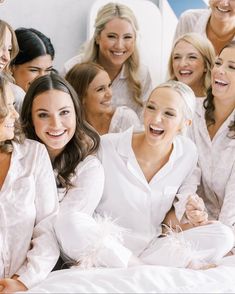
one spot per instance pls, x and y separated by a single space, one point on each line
11 286
195 211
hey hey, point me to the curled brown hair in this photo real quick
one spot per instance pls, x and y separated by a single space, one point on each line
85 140
210 107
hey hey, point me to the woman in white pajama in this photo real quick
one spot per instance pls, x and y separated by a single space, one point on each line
191 60
93 86
8 51
143 174
28 204
52 114
213 132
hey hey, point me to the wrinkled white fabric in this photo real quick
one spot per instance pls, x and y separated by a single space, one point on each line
216 169
122 94
123 118
28 206
141 279
19 94
193 20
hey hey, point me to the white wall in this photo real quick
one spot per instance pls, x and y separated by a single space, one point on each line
64 21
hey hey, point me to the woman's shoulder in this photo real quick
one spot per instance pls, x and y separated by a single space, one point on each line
113 141
30 152
90 161
72 61
194 14
124 110
17 91
186 144
30 147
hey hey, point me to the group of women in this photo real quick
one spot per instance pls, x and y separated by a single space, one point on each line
103 169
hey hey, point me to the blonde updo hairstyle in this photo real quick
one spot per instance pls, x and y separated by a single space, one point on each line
187 96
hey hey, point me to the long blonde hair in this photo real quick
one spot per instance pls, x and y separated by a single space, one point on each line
91 49
15 49
205 48
6 146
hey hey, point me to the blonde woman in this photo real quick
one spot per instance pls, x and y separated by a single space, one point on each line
114 46
143 176
8 51
191 60
217 23
213 132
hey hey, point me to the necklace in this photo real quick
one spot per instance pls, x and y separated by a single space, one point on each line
227 37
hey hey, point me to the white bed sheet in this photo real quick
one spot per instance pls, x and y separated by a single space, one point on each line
141 279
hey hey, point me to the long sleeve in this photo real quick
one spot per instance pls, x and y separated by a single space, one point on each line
91 240
88 183
227 213
44 251
124 118
189 187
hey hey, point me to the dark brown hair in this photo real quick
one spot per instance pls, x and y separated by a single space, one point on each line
85 140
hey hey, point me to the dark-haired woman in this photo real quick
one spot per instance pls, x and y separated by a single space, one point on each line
213 131
52 114
35 57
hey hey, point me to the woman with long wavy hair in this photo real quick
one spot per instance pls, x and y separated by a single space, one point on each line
114 46
213 131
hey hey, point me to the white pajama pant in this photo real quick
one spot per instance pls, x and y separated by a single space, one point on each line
94 242
198 246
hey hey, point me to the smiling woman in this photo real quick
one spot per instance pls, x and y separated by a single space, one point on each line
114 46
214 135
191 61
93 86
52 114
216 23
34 59
139 189
26 184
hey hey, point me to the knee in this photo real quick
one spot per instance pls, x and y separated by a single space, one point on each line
225 241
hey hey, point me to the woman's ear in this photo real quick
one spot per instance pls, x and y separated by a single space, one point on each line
188 122
12 68
97 40
184 126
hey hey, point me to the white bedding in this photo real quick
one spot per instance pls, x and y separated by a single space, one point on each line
141 279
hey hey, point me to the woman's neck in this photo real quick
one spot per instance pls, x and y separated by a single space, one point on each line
220 33
221 28
150 158
223 109
111 69
198 90
100 122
